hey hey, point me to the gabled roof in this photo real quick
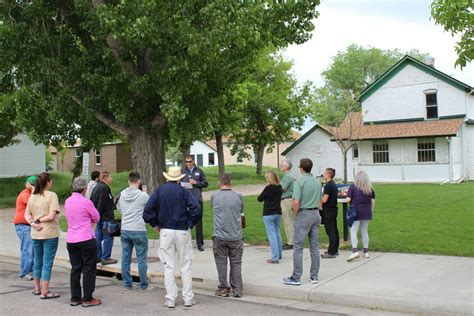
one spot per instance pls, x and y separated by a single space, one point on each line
301 138
429 128
408 60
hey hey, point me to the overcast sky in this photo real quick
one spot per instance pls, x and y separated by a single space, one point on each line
385 24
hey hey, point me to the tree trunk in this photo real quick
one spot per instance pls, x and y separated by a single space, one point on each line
220 154
148 156
185 150
260 153
344 161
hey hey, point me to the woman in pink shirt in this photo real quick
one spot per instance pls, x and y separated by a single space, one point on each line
81 216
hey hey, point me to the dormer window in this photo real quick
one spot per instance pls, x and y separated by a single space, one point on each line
431 104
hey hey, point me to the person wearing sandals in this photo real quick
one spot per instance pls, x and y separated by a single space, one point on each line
271 198
362 196
81 215
42 212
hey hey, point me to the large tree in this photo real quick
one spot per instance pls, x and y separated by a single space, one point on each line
272 106
349 73
457 17
84 68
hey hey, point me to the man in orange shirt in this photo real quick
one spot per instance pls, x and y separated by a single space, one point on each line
23 230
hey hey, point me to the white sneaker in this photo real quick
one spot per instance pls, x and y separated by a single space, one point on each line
366 255
353 256
189 303
169 303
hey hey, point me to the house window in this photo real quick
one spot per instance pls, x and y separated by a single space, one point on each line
211 159
98 158
78 153
355 151
431 105
199 161
426 150
380 151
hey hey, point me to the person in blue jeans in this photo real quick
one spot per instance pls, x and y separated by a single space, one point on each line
131 203
23 231
103 201
42 212
271 198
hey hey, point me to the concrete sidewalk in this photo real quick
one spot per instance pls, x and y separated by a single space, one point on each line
387 281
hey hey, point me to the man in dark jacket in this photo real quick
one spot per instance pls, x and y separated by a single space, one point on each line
104 202
172 211
195 180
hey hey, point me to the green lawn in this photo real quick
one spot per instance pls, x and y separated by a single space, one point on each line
408 218
10 187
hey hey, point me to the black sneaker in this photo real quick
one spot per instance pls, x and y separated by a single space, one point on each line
291 281
287 247
328 256
75 303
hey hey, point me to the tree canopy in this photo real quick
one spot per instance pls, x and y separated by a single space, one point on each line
92 68
457 17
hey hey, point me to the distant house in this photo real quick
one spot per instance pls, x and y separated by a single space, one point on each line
112 157
21 159
271 159
416 125
204 154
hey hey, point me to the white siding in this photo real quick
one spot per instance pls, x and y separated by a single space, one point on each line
402 97
469 159
199 148
318 147
24 158
403 161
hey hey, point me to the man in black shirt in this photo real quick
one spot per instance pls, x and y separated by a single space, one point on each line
329 205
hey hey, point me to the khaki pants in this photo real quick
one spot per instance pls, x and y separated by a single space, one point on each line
287 213
172 243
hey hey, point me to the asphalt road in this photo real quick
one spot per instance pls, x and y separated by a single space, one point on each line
16 299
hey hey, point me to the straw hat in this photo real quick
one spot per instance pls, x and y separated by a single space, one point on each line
174 174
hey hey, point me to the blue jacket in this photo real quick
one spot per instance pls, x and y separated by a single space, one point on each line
172 207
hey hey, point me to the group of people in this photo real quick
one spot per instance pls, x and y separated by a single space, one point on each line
173 210
304 205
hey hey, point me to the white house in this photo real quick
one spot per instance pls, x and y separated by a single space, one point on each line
22 159
416 125
316 145
204 155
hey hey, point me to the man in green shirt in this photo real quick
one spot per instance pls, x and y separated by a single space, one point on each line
307 194
287 201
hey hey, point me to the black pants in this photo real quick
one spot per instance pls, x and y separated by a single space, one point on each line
199 234
330 224
83 256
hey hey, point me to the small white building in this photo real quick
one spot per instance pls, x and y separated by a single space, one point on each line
22 159
416 125
204 155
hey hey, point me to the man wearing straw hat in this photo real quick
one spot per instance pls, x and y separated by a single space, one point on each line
173 211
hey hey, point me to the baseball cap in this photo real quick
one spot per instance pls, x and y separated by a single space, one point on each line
31 180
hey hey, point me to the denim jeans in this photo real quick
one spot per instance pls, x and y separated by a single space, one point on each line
272 226
306 224
103 251
140 241
45 251
26 249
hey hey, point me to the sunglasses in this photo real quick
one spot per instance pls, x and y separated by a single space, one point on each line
189 161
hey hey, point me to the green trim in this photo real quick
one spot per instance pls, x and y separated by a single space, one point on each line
299 140
447 117
395 69
418 119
